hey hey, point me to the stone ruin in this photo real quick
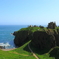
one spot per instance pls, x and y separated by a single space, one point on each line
51 25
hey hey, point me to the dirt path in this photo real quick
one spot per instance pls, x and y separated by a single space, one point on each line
19 54
22 54
14 52
32 52
8 49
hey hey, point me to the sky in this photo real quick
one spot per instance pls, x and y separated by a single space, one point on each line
29 12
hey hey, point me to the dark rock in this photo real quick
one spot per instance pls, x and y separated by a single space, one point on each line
14 33
35 26
43 40
51 25
58 31
21 37
41 26
54 53
1 47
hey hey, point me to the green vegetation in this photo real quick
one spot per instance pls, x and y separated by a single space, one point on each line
24 53
42 54
32 29
22 49
19 53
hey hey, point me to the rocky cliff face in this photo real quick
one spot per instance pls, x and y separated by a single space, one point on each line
21 37
42 38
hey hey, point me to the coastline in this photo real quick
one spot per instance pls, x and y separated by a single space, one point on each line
8 49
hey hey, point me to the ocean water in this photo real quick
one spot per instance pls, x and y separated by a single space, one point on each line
6 38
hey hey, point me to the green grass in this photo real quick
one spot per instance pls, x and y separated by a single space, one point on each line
24 53
8 55
19 53
57 28
53 53
23 49
32 29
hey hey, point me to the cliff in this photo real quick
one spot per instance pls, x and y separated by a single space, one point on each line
41 37
24 35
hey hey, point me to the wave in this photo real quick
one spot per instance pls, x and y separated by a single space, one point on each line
4 44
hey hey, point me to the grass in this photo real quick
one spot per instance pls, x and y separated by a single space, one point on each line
8 55
22 49
24 53
32 29
53 53
19 53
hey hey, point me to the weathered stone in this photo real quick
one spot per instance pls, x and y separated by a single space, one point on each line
35 26
43 40
41 26
1 47
21 37
30 26
51 25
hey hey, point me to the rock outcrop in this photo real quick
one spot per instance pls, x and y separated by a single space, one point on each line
51 25
41 26
21 37
41 38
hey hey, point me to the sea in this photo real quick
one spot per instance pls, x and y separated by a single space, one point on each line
6 38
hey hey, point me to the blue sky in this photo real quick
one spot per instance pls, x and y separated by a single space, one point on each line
29 12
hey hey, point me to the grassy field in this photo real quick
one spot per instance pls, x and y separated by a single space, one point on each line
24 53
19 53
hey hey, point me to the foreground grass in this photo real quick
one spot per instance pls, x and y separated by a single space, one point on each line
23 49
24 53
6 55
19 53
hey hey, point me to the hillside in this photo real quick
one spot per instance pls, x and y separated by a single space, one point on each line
42 38
24 53
19 53
43 42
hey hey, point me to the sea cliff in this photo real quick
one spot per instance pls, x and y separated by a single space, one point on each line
41 37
